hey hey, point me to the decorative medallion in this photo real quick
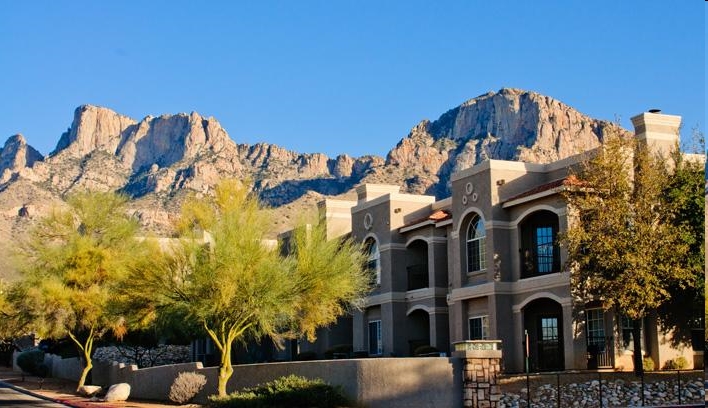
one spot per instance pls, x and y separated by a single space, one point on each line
469 188
474 197
464 200
368 221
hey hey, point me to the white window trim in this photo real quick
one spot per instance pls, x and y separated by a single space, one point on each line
587 322
379 337
485 326
376 257
476 218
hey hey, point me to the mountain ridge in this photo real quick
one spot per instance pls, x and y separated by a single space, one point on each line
159 159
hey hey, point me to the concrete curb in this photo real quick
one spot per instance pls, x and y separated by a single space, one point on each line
34 394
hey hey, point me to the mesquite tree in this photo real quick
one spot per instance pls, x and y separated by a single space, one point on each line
625 244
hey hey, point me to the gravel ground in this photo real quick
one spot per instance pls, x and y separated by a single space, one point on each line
618 390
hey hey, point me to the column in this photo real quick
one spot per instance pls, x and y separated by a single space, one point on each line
481 366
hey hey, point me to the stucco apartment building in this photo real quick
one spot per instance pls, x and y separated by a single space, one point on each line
485 264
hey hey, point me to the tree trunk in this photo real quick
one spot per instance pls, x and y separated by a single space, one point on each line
86 349
84 373
225 369
637 341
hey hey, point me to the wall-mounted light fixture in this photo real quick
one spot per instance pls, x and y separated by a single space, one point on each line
501 182
397 210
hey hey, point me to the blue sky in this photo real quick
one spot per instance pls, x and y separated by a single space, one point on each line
341 76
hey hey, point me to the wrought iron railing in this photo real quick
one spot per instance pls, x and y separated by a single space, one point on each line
601 352
417 276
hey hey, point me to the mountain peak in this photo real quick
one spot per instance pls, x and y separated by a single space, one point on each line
94 128
17 154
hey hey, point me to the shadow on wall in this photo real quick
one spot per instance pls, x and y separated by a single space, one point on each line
375 382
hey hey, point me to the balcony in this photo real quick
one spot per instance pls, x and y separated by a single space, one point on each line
417 276
538 261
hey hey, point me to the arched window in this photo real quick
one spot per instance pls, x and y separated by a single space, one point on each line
539 249
374 261
476 248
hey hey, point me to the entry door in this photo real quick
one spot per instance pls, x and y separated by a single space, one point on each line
550 350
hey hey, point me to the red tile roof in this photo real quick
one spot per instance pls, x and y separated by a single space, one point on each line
436 216
571 180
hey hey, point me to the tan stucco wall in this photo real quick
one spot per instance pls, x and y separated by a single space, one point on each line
377 382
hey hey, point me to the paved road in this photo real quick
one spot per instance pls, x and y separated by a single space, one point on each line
15 399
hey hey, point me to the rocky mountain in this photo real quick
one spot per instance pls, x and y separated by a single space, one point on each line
158 160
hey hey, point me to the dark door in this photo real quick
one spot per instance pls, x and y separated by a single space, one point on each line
550 343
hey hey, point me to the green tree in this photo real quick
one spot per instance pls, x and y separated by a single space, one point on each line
71 267
225 277
626 244
8 323
684 194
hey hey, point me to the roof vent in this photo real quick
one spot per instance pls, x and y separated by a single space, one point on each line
654 110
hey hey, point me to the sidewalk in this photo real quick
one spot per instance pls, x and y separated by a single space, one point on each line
62 391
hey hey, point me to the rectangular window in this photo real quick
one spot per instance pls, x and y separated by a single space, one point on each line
375 343
627 327
595 324
544 249
479 328
476 255
549 329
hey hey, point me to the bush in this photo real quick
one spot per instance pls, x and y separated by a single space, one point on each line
679 363
425 350
186 386
648 364
291 391
32 362
339 349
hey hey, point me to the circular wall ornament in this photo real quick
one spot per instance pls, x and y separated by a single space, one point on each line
469 188
464 200
368 221
474 197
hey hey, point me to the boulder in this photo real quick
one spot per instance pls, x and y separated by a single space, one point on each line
118 392
89 390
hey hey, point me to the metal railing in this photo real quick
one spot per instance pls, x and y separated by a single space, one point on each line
417 276
601 352
534 265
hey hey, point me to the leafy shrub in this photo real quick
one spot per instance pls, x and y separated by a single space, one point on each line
291 391
338 349
427 349
186 386
679 363
648 364
32 362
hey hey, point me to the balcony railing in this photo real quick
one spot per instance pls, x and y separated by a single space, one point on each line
601 352
533 263
417 276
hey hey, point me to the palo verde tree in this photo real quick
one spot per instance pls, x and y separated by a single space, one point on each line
225 276
72 265
626 246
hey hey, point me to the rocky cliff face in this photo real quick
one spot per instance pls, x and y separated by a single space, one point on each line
157 160
16 155
507 125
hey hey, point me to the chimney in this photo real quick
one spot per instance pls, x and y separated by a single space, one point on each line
338 216
659 131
